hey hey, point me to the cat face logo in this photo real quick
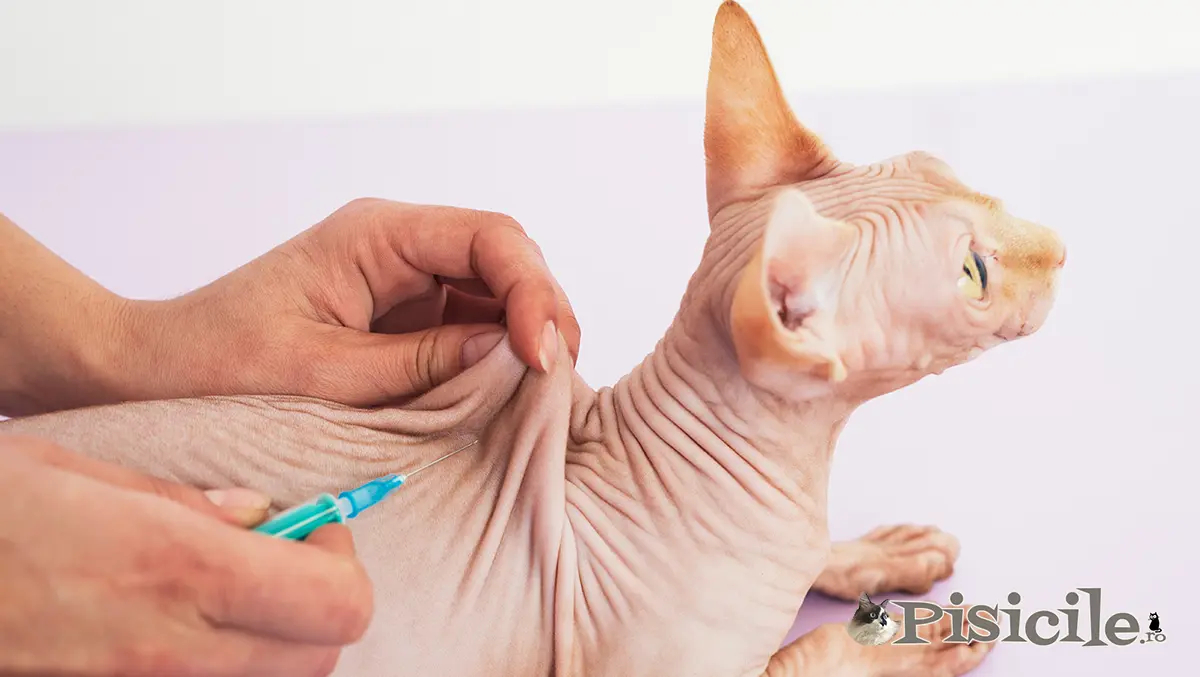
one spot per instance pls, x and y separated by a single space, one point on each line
871 625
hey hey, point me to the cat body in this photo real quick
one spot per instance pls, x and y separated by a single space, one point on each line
1155 626
673 523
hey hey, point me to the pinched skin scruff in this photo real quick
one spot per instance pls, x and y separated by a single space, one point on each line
671 524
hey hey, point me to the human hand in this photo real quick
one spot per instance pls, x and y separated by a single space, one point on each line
379 301
104 571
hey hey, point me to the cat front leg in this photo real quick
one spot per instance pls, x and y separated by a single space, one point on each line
904 558
829 651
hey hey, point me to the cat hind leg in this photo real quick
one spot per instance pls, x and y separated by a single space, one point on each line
904 558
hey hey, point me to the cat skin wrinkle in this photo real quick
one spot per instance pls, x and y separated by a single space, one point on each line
689 491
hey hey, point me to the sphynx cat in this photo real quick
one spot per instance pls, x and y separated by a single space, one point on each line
673 523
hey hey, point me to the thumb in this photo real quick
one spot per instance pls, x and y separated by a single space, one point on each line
376 368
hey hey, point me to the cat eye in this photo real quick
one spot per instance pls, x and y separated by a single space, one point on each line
974 278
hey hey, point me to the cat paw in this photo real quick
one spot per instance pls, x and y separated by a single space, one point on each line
830 651
938 658
903 558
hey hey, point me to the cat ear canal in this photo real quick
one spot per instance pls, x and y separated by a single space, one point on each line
783 317
752 141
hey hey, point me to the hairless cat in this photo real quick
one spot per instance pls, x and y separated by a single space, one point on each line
673 523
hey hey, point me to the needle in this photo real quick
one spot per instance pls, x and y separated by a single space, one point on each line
298 522
439 460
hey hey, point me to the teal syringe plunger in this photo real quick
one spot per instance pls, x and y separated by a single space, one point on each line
297 522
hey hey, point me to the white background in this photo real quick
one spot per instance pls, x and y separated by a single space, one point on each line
122 61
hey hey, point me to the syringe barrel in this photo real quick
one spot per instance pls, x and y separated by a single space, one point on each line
297 522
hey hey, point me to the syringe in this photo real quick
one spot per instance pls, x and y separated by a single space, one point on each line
297 522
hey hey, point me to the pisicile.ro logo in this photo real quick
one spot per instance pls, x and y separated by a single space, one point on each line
1120 629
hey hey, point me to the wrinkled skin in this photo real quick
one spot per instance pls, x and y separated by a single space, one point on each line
671 524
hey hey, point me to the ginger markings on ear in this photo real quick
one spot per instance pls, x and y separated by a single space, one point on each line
783 308
752 140
786 301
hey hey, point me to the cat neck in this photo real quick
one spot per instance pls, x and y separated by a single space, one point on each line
684 430
780 448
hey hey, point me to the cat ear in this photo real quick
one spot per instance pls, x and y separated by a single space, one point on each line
864 602
752 141
784 307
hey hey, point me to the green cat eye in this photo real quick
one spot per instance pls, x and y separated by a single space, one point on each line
974 279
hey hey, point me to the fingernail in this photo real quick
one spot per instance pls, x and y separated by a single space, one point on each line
548 351
238 499
477 346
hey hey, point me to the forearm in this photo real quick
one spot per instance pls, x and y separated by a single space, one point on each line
58 329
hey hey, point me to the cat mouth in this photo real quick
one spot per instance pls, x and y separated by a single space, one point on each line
1025 329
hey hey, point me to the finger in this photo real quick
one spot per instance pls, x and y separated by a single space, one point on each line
463 243
415 314
463 308
235 506
239 506
448 306
285 590
528 293
334 538
235 653
472 285
568 323
366 369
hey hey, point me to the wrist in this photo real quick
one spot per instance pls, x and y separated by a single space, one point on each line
157 350
99 356
60 359
130 358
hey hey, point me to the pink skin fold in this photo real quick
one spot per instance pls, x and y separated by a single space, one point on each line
673 523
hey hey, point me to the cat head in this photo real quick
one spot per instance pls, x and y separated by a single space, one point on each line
868 612
856 279
1153 616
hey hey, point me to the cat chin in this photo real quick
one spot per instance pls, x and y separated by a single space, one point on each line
872 634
